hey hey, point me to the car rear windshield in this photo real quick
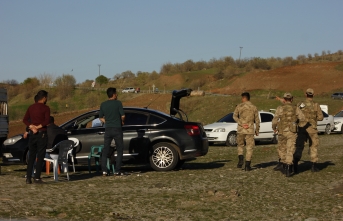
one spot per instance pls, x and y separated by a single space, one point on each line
227 118
339 114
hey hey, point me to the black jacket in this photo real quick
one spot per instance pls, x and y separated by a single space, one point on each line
55 135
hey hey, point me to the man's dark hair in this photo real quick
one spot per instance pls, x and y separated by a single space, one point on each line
35 99
42 94
246 94
110 91
52 120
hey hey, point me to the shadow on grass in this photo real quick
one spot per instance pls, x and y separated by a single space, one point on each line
204 166
306 165
265 165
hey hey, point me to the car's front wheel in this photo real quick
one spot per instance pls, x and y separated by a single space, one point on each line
231 139
275 139
164 157
327 129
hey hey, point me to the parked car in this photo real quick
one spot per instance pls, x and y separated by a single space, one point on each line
150 136
338 121
338 95
129 90
225 129
326 125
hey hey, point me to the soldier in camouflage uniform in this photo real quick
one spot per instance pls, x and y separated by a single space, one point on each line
308 130
285 124
246 115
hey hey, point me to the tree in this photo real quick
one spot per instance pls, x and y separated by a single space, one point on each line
65 85
12 82
309 56
45 79
127 74
101 80
301 59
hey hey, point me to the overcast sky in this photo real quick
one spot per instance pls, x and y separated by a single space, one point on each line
57 37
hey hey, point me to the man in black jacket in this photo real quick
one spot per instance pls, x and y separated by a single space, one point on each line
55 134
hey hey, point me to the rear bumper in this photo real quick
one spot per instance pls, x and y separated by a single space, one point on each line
200 149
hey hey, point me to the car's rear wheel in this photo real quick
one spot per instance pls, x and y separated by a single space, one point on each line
210 143
164 157
342 129
327 129
231 139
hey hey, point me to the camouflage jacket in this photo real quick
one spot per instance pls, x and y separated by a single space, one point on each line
246 113
286 118
312 113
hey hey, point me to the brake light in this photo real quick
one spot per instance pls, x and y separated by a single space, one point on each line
192 130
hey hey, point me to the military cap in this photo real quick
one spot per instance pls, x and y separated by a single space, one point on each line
287 95
309 91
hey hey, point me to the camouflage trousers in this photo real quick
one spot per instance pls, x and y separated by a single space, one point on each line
303 136
250 144
286 146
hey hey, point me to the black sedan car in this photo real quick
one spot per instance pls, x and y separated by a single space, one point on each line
150 136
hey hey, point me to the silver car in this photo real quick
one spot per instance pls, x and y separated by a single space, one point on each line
338 95
338 118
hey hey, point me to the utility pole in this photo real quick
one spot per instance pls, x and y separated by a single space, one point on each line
240 52
99 68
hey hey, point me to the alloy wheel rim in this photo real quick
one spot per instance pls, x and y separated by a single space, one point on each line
162 157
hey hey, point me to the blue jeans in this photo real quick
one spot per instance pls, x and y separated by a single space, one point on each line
111 133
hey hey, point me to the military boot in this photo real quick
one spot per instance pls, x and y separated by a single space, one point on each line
288 170
240 161
314 167
295 165
278 166
247 166
283 168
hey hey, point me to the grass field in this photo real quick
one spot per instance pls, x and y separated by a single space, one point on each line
208 188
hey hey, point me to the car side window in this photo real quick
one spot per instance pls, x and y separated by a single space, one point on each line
134 118
228 118
155 120
266 117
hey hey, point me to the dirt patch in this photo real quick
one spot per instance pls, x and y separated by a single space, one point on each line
322 77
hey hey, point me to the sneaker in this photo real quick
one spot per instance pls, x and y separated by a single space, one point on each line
104 174
121 174
38 181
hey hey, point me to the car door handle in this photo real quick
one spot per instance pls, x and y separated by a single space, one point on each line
68 132
101 133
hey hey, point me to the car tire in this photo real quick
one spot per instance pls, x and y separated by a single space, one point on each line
26 157
231 139
180 164
164 157
275 139
342 129
327 129
210 143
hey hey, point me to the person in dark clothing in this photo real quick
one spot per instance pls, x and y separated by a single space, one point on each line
55 134
112 113
37 117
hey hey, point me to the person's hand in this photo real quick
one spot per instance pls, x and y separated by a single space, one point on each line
280 99
256 133
25 135
245 126
275 131
33 129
